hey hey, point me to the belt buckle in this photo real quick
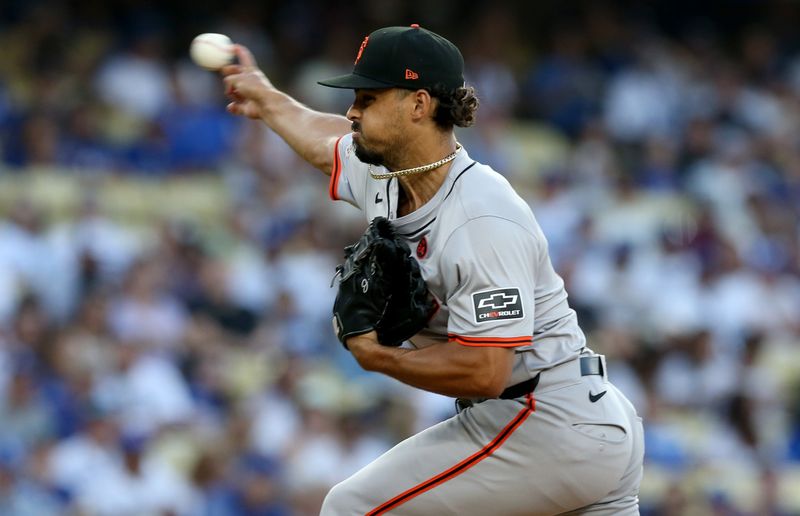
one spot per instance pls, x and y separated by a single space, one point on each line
593 365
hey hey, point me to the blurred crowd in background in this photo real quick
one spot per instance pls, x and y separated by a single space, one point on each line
172 363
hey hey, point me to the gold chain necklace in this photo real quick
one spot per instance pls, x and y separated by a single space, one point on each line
417 170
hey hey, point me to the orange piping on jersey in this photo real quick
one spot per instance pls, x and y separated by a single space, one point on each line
462 466
503 342
527 338
335 172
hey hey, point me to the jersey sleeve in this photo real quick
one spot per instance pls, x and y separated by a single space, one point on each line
349 175
491 283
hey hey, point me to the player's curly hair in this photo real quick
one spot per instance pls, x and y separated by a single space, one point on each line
456 107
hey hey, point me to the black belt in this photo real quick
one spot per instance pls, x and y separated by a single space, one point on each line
520 389
589 366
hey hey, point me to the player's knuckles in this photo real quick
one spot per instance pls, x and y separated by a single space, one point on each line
238 80
228 70
252 79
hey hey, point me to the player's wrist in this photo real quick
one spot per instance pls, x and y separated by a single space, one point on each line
271 101
365 348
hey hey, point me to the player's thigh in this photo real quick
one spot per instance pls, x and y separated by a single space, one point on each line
495 458
424 463
546 465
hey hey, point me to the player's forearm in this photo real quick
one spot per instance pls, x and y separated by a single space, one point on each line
312 134
448 368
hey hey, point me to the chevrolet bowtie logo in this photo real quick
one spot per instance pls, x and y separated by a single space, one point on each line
497 301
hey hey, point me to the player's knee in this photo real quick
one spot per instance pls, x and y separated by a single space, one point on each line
340 500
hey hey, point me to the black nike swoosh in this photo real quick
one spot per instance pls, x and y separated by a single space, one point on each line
594 397
378 198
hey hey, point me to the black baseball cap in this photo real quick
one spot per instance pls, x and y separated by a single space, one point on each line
404 57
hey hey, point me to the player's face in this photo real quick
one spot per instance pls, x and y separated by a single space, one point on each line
377 125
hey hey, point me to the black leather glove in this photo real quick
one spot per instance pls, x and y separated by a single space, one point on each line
381 288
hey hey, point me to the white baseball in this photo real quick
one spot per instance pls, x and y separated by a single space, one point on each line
211 51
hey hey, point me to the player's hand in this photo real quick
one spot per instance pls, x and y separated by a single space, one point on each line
245 85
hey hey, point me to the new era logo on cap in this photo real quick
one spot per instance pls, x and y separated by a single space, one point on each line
411 75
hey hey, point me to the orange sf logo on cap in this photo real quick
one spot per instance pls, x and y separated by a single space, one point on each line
361 49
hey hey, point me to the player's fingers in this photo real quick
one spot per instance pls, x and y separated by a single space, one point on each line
230 84
246 109
244 56
234 108
231 69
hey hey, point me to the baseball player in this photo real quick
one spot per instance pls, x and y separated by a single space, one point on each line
540 429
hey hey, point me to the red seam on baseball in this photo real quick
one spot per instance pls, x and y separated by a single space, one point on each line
215 45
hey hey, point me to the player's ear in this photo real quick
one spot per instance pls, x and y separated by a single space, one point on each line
423 105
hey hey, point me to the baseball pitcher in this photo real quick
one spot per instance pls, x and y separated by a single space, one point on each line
454 264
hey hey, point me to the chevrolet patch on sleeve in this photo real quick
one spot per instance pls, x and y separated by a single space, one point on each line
496 305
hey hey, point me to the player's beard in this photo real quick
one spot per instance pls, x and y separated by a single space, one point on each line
368 156
365 155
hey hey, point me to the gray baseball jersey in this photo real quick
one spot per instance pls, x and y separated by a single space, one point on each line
484 257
